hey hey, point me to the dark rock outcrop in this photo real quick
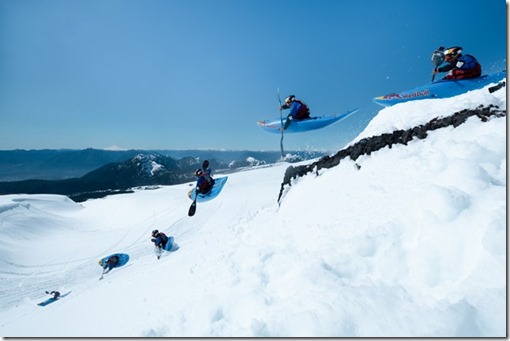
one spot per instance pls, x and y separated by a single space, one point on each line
372 144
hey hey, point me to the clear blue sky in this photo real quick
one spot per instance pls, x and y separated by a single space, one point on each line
179 74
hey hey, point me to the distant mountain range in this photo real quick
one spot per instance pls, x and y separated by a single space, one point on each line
58 164
93 173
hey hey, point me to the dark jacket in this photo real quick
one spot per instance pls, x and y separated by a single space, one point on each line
111 262
298 110
466 66
205 182
160 240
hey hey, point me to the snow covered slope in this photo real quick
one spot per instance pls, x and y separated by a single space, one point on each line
410 244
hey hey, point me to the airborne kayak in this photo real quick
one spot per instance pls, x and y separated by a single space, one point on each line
213 193
300 126
441 89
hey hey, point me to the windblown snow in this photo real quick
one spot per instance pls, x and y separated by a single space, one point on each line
413 243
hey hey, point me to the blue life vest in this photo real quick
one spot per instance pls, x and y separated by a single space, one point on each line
469 62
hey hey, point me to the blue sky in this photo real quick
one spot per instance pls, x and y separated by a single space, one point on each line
179 74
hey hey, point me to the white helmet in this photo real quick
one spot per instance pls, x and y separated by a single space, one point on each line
453 52
289 99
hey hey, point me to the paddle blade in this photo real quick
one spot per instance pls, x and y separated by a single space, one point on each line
192 209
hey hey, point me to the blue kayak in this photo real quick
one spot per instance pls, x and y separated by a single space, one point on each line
123 259
441 89
169 243
300 126
51 300
213 193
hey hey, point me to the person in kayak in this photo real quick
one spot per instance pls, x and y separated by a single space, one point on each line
207 172
204 181
298 110
459 66
159 239
110 263
56 294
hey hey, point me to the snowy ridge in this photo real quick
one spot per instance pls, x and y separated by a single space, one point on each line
411 243
248 162
367 146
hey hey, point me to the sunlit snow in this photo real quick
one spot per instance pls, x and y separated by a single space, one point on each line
411 244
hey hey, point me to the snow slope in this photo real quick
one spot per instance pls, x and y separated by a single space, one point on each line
411 244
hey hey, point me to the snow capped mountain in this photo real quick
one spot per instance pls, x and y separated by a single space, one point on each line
406 241
116 148
148 164
20 165
248 162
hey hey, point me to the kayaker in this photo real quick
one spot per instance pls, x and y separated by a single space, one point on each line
459 66
298 110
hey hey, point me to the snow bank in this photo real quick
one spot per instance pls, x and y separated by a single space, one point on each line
410 244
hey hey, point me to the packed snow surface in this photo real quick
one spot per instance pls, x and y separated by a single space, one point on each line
413 243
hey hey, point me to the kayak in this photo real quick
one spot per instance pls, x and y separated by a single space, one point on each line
213 193
441 89
308 124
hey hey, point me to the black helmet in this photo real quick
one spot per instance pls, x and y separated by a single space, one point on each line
289 99
154 233
198 172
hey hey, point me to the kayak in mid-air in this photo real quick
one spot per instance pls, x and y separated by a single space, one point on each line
300 126
440 89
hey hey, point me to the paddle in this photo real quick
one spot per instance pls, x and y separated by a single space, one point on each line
497 87
193 207
158 251
437 59
281 120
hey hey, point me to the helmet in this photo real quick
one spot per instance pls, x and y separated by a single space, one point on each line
289 99
452 52
154 233
198 172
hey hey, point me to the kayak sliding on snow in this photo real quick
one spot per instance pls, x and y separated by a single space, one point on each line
113 261
161 242
55 297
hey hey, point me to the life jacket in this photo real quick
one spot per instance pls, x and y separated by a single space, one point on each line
204 184
469 69
469 61
207 175
114 260
163 237
303 111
